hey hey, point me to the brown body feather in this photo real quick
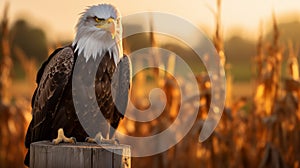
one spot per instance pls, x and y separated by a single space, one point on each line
52 102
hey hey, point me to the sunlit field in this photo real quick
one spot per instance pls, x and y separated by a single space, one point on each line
260 124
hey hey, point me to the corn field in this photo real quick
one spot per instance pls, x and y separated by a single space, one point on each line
258 131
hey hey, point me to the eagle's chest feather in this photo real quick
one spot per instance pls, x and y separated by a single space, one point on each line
95 77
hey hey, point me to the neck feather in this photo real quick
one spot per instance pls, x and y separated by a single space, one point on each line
96 44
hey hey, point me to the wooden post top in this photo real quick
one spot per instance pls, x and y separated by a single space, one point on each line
81 154
80 145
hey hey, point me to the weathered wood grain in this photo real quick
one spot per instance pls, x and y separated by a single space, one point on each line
44 154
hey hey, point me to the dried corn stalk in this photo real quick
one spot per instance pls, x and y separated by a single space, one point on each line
6 62
269 73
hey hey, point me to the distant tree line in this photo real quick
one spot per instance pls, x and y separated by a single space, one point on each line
239 50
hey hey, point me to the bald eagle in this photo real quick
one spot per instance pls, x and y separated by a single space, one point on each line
98 55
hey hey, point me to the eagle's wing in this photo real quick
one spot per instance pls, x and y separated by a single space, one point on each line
51 79
122 81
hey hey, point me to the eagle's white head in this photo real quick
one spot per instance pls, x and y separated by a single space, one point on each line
99 30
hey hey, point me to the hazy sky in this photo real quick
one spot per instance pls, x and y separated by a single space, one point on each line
59 17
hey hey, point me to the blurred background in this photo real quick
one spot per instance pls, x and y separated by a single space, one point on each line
258 43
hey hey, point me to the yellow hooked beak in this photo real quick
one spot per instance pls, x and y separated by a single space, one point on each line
108 25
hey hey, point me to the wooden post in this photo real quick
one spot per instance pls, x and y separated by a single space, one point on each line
44 154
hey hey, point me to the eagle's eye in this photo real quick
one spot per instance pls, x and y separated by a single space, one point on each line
98 19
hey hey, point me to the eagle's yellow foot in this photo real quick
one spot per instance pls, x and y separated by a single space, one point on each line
100 140
62 138
90 140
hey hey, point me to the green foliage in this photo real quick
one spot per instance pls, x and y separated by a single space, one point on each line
169 43
240 53
30 39
239 49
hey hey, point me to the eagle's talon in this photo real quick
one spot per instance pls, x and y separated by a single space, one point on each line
100 140
73 140
62 138
117 142
56 141
90 140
